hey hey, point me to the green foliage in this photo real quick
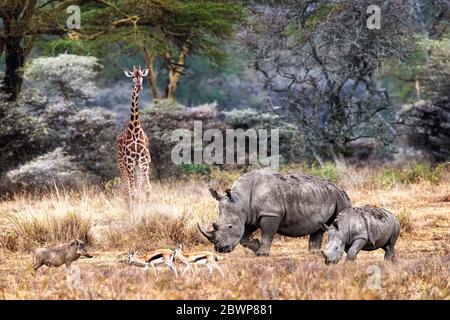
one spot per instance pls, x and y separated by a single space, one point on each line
435 71
415 173
169 31
428 63
229 83
328 171
195 169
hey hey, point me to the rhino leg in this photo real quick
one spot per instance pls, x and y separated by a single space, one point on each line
355 248
315 241
246 242
269 227
389 250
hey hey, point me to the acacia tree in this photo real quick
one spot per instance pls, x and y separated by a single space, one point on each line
163 31
22 23
319 60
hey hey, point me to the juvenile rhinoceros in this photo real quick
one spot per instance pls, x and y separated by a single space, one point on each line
63 254
357 229
292 205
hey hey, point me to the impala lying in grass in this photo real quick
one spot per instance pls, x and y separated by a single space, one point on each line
207 258
153 258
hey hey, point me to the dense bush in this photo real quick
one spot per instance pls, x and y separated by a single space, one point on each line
159 124
52 133
291 145
67 76
426 125
91 139
21 136
47 171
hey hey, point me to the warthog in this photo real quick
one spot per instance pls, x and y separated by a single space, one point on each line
63 254
357 229
292 205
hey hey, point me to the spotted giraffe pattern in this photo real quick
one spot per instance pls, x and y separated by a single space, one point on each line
133 156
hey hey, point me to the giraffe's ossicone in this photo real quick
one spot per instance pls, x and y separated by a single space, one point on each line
133 156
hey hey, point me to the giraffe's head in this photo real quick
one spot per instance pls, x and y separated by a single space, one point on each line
138 75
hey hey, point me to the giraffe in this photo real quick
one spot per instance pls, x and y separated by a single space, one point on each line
133 156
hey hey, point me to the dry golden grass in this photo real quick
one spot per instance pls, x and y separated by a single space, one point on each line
169 217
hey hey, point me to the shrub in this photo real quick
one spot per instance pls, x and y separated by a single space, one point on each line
415 173
291 141
22 137
44 229
174 229
46 171
406 221
66 75
328 171
159 125
190 169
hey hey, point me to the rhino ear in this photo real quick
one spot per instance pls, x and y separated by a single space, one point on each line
73 242
229 195
336 226
215 194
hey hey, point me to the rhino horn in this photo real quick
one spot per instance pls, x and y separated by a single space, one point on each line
207 234
215 226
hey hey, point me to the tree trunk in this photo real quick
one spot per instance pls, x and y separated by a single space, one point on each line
152 77
417 87
175 72
172 83
14 60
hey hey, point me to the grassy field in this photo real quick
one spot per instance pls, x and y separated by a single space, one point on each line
169 216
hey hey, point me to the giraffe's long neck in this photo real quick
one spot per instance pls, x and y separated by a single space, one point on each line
134 117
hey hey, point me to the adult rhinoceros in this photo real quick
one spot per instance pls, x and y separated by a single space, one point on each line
292 205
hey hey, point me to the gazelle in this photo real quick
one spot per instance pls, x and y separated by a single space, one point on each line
153 258
207 258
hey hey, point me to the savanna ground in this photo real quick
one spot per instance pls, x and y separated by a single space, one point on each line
419 196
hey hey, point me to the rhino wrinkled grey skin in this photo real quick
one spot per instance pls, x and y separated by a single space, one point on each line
357 229
292 205
63 254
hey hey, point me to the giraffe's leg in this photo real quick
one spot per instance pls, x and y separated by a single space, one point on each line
144 179
131 187
124 174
